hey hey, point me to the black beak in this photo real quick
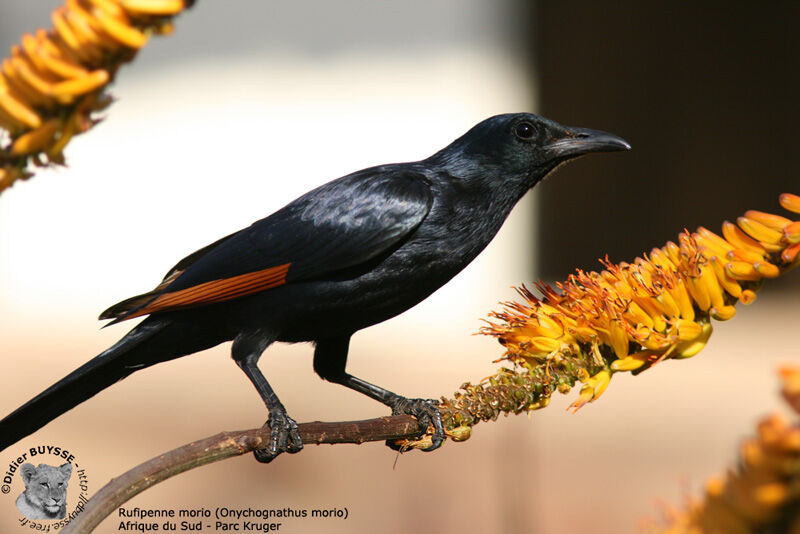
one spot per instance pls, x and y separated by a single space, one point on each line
579 141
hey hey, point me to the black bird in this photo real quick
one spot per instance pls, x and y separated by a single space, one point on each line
347 255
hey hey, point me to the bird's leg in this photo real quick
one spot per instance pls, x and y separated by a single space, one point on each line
284 433
424 410
330 359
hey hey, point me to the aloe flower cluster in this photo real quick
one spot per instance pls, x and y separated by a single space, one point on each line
52 84
625 318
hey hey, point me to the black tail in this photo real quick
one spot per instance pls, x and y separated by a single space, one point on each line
84 382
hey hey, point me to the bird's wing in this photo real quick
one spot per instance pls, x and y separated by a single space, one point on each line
337 226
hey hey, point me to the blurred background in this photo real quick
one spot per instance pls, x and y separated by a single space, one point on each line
251 103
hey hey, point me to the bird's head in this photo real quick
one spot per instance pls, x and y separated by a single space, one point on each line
521 148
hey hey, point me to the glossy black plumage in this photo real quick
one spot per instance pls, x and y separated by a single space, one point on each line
348 254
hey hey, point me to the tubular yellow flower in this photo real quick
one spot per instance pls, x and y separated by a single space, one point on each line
68 90
792 232
18 110
149 7
776 222
790 202
54 83
759 231
790 254
736 237
35 140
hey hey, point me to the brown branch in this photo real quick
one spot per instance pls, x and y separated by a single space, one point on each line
508 391
225 445
553 342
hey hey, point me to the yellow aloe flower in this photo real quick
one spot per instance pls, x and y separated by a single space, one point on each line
630 316
53 84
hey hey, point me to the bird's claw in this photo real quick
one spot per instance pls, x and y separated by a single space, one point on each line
284 436
427 415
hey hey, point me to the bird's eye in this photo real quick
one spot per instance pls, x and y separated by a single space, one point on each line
524 130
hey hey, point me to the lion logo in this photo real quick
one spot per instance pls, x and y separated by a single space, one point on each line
45 495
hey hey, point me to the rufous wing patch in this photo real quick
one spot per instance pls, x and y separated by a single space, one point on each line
217 290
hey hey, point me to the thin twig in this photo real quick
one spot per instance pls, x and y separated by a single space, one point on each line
225 445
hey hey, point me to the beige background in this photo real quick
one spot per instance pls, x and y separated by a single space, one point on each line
220 125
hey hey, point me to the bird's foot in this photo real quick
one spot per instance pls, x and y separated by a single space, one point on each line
427 415
284 436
